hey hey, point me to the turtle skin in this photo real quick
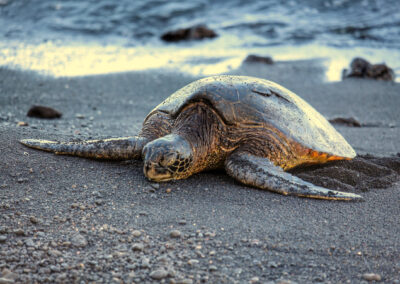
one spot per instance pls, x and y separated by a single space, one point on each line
254 128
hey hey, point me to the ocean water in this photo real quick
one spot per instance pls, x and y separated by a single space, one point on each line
64 37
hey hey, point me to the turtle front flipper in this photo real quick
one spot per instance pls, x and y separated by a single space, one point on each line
262 173
123 148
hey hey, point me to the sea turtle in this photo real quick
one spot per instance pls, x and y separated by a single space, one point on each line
252 127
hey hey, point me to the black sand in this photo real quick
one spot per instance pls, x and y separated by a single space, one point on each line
66 219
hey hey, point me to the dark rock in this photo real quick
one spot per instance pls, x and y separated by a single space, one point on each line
350 121
192 33
43 112
258 59
361 68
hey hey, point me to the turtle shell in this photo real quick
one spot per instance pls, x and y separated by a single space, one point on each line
246 101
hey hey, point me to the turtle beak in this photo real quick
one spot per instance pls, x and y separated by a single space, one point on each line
156 173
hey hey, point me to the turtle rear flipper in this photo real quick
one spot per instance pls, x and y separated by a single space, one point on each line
123 148
262 173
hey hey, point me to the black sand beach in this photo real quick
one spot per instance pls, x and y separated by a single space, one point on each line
72 220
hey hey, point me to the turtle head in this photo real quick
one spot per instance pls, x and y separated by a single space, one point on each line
167 158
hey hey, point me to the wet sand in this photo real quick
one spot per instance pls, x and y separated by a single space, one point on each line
71 219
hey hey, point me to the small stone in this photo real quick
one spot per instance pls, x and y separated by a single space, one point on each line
193 262
79 241
29 243
159 274
22 123
182 222
80 116
175 234
136 233
254 280
33 220
213 268
4 280
3 239
371 277
43 112
258 59
168 190
19 232
99 201
21 180
137 247
191 33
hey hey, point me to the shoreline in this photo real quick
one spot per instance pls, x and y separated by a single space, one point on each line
91 58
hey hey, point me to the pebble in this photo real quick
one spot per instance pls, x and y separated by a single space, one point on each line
182 222
80 116
5 280
213 268
137 247
136 233
159 274
19 232
372 277
33 220
193 262
29 243
3 239
254 280
175 234
79 241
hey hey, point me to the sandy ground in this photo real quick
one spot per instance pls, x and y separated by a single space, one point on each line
67 219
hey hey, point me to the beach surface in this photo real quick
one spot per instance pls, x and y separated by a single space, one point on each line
74 220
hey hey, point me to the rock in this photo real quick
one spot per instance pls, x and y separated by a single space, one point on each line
350 121
159 274
255 280
3 239
258 59
33 220
175 234
136 233
79 116
29 243
19 232
43 112
79 241
182 222
361 68
137 247
193 262
22 123
191 33
6 281
371 277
